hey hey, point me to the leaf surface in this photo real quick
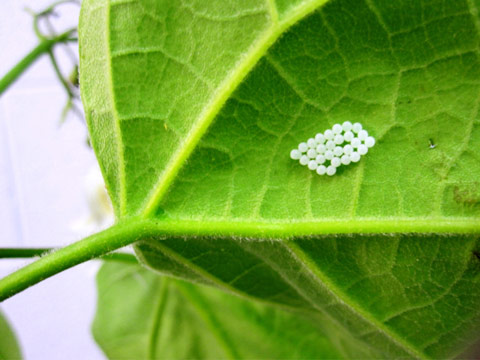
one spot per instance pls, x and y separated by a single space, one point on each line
9 348
142 315
193 108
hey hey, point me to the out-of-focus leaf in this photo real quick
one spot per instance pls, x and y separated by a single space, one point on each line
142 315
9 348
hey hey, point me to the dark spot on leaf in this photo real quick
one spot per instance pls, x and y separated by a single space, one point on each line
476 254
431 144
468 194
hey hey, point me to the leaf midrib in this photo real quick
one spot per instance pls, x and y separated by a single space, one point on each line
228 86
279 229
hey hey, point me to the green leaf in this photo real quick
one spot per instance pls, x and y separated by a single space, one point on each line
9 348
141 315
193 107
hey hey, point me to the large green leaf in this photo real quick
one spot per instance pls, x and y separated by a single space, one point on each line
9 349
227 88
141 315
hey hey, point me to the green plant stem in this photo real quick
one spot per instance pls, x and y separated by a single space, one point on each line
94 246
135 228
60 77
26 253
21 253
45 46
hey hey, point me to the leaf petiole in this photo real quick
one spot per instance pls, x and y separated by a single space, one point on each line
94 246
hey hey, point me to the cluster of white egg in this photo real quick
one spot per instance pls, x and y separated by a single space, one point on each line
340 145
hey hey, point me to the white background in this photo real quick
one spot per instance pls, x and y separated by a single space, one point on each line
42 169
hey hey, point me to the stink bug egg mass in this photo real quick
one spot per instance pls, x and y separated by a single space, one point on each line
341 145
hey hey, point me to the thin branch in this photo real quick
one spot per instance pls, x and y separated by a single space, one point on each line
27 253
22 253
97 245
44 47
59 74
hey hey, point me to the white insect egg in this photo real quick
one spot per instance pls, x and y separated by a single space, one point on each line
304 160
362 149
329 154
347 126
355 157
362 135
338 151
320 159
356 142
357 127
330 145
319 138
303 147
321 170
370 141
295 154
348 136
338 139
311 153
337 129
343 144
321 149
336 161
328 134
345 160
348 149
331 170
